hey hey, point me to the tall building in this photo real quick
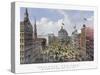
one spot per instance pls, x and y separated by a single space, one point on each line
38 45
22 45
83 42
90 43
26 39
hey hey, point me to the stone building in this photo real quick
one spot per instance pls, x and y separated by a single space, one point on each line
30 45
39 44
90 43
83 42
26 39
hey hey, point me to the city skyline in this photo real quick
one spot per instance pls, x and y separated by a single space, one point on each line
69 45
50 20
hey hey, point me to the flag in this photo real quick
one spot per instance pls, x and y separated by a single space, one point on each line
62 23
85 19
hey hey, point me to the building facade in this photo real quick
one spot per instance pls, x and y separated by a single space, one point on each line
30 45
26 39
83 42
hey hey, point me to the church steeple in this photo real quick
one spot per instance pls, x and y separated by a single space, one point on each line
26 15
35 29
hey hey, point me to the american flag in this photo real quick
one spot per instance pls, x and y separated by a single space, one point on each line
63 24
85 19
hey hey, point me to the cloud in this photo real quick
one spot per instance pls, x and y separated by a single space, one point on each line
65 15
90 18
90 21
68 24
46 26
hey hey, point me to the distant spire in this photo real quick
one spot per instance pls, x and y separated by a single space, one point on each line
35 29
26 12
26 15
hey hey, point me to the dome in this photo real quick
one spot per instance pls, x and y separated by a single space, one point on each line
63 31
62 34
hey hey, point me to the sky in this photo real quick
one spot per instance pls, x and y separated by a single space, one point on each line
50 20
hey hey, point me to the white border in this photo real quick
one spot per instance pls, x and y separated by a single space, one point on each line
51 66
